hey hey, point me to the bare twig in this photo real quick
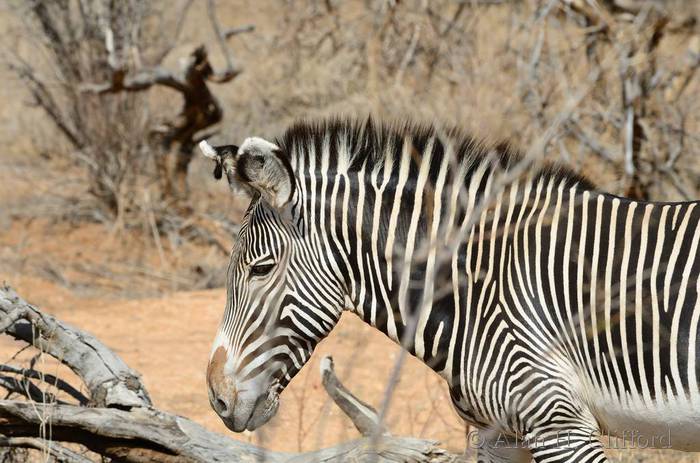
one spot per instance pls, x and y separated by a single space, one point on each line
230 32
48 379
26 388
408 56
232 69
182 14
58 453
110 381
362 415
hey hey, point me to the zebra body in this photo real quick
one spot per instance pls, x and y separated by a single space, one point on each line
554 312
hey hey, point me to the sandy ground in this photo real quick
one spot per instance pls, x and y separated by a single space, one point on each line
96 278
168 341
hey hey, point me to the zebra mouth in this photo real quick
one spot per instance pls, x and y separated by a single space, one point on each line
265 408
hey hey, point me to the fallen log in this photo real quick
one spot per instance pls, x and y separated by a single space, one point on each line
117 419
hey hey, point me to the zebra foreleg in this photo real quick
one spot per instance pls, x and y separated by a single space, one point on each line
560 428
559 446
495 447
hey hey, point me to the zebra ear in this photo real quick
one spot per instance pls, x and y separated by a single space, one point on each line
258 167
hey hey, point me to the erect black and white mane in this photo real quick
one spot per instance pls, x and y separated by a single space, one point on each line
352 145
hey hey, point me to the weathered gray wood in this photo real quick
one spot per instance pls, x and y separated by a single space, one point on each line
121 423
166 437
362 415
58 453
386 449
111 382
139 431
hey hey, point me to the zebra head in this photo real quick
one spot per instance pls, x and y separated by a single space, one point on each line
282 296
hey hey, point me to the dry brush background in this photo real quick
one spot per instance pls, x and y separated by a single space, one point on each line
88 230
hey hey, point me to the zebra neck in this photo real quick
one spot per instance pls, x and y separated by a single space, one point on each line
387 234
429 271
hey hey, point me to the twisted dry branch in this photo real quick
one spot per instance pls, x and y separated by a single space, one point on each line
110 381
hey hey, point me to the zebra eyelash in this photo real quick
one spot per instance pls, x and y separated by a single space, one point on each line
261 267
261 270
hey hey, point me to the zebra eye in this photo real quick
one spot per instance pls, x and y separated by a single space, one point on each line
261 270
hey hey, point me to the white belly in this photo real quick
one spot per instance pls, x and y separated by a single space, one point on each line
666 425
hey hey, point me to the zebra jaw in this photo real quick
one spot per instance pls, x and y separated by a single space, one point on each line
264 410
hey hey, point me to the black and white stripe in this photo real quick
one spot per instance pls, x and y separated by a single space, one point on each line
547 306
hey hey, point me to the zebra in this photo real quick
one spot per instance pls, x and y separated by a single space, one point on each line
555 312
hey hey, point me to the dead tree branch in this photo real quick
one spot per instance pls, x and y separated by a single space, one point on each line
232 69
111 382
362 415
58 453
137 82
120 423
201 109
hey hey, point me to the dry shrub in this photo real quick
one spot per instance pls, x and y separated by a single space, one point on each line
66 49
97 162
636 129
500 69
73 42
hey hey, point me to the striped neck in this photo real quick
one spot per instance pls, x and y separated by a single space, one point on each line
393 213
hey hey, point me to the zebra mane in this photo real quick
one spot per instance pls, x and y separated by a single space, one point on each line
354 143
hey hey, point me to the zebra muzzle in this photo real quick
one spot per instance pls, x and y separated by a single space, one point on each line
240 407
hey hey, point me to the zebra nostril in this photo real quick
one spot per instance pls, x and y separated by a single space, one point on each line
220 406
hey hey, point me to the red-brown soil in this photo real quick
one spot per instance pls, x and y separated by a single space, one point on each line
168 340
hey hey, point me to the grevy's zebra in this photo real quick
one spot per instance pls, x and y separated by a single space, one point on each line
553 311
